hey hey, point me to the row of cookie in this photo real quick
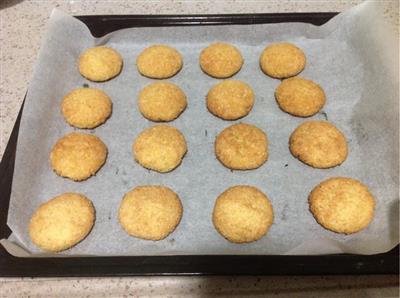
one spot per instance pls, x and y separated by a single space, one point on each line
165 101
233 99
87 108
159 101
219 60
316 143
78 156
241 214
162 147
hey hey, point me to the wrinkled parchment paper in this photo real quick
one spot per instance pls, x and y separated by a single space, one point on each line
353 57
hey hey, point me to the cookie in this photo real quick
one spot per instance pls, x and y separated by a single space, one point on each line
300 97
282 60
318 144
230 99
221 60
78 156
100 64
242 214
150 212
162 101
86 107
159 62
160 148
62 222
242 147
342 205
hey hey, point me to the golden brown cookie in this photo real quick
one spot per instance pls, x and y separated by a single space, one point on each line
342 205
318 144
220 60
62 222
300 97
230 99
282 60
86 107
162 101
100 64
150 212
160 148
242 147
242 214
159 62
78 156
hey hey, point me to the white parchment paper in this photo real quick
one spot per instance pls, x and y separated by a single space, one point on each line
353 57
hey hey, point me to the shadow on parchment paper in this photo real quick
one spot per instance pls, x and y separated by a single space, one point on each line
375 121
9 3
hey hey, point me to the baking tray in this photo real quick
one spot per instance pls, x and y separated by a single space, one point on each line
385 263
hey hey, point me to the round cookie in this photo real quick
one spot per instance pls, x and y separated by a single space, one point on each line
342 205
242 214
230 99
160 148
300 97
221 60
318 144
86 107
150 212
242 147
162 101
100 64
78 156
282 60
62 222
159 62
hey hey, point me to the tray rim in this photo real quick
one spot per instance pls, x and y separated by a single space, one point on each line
140 20
10 266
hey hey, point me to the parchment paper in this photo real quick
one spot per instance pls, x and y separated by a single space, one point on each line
353 57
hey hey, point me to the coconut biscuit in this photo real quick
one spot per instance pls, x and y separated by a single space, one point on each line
159 62
78 156
86 107
230 99
160 148
162 101
282 60
100 64
221 60
300 97
242 147
318 144
342 205
242 214
150 212
62 222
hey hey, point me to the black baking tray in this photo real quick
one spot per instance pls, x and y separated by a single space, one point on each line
385 263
